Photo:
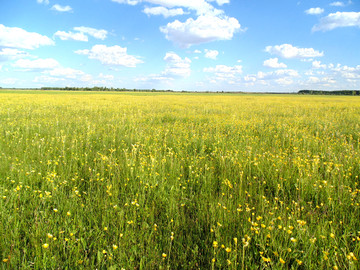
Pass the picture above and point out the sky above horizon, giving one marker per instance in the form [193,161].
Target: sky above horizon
[193,45]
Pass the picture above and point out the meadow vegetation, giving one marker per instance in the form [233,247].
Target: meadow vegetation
[178,181]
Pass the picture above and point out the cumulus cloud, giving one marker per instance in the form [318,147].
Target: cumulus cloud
[38,64]
[10,53]
[176,66]
[277,74]
[223,72]
[129,2]
[69,73]
[71,36]
[346,71]
[338,19]
[221,2]
[45,2]
[9,81]
[317,64]
[274,63]
[81,34]
[59,8]
[106,77]
[15,37]
[164,11]
[203,29]
[289,51]
[336,76]
[314,11]
[96,33]
[284,81]
[114,55]
[337,4]
[211,23]
[323,81]
[211,54]
[201,7]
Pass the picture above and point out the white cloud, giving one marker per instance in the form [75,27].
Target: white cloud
[59,8]
[250,78]
[197,51]
[38,64]
[68,73]
[129,2]
[334,76]
[274,63]
[277,74]
[9,53]
[203,29]
[9,81]
[164,11]
[338,19]
[337,4]
[289,51]
[47,79]
[221,2]
[346,71]
[96,33]
[224,72]
[15,37]
[106,77]
[284,81]
[211,54]
[45,2]
[176,66]
[201,7]
[317,64]
[210,25]
[114,55]
[154,81]
[321,82]
[314,11]
[68,76]
[71,36]
[81,34]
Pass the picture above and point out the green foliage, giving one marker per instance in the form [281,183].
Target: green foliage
[178,181]
[336,92]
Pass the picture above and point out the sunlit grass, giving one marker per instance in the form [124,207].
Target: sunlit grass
[178,181]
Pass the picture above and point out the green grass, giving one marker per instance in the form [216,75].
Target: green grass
[178,181]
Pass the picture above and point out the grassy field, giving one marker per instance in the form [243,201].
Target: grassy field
[178,181]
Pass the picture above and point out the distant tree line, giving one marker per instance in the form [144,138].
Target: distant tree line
[336,92]
[97,88]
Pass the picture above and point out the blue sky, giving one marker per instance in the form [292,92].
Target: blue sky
[199,45]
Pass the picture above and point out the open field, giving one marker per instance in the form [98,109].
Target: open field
[178,181]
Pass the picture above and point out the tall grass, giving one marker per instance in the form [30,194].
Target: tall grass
[169,181]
